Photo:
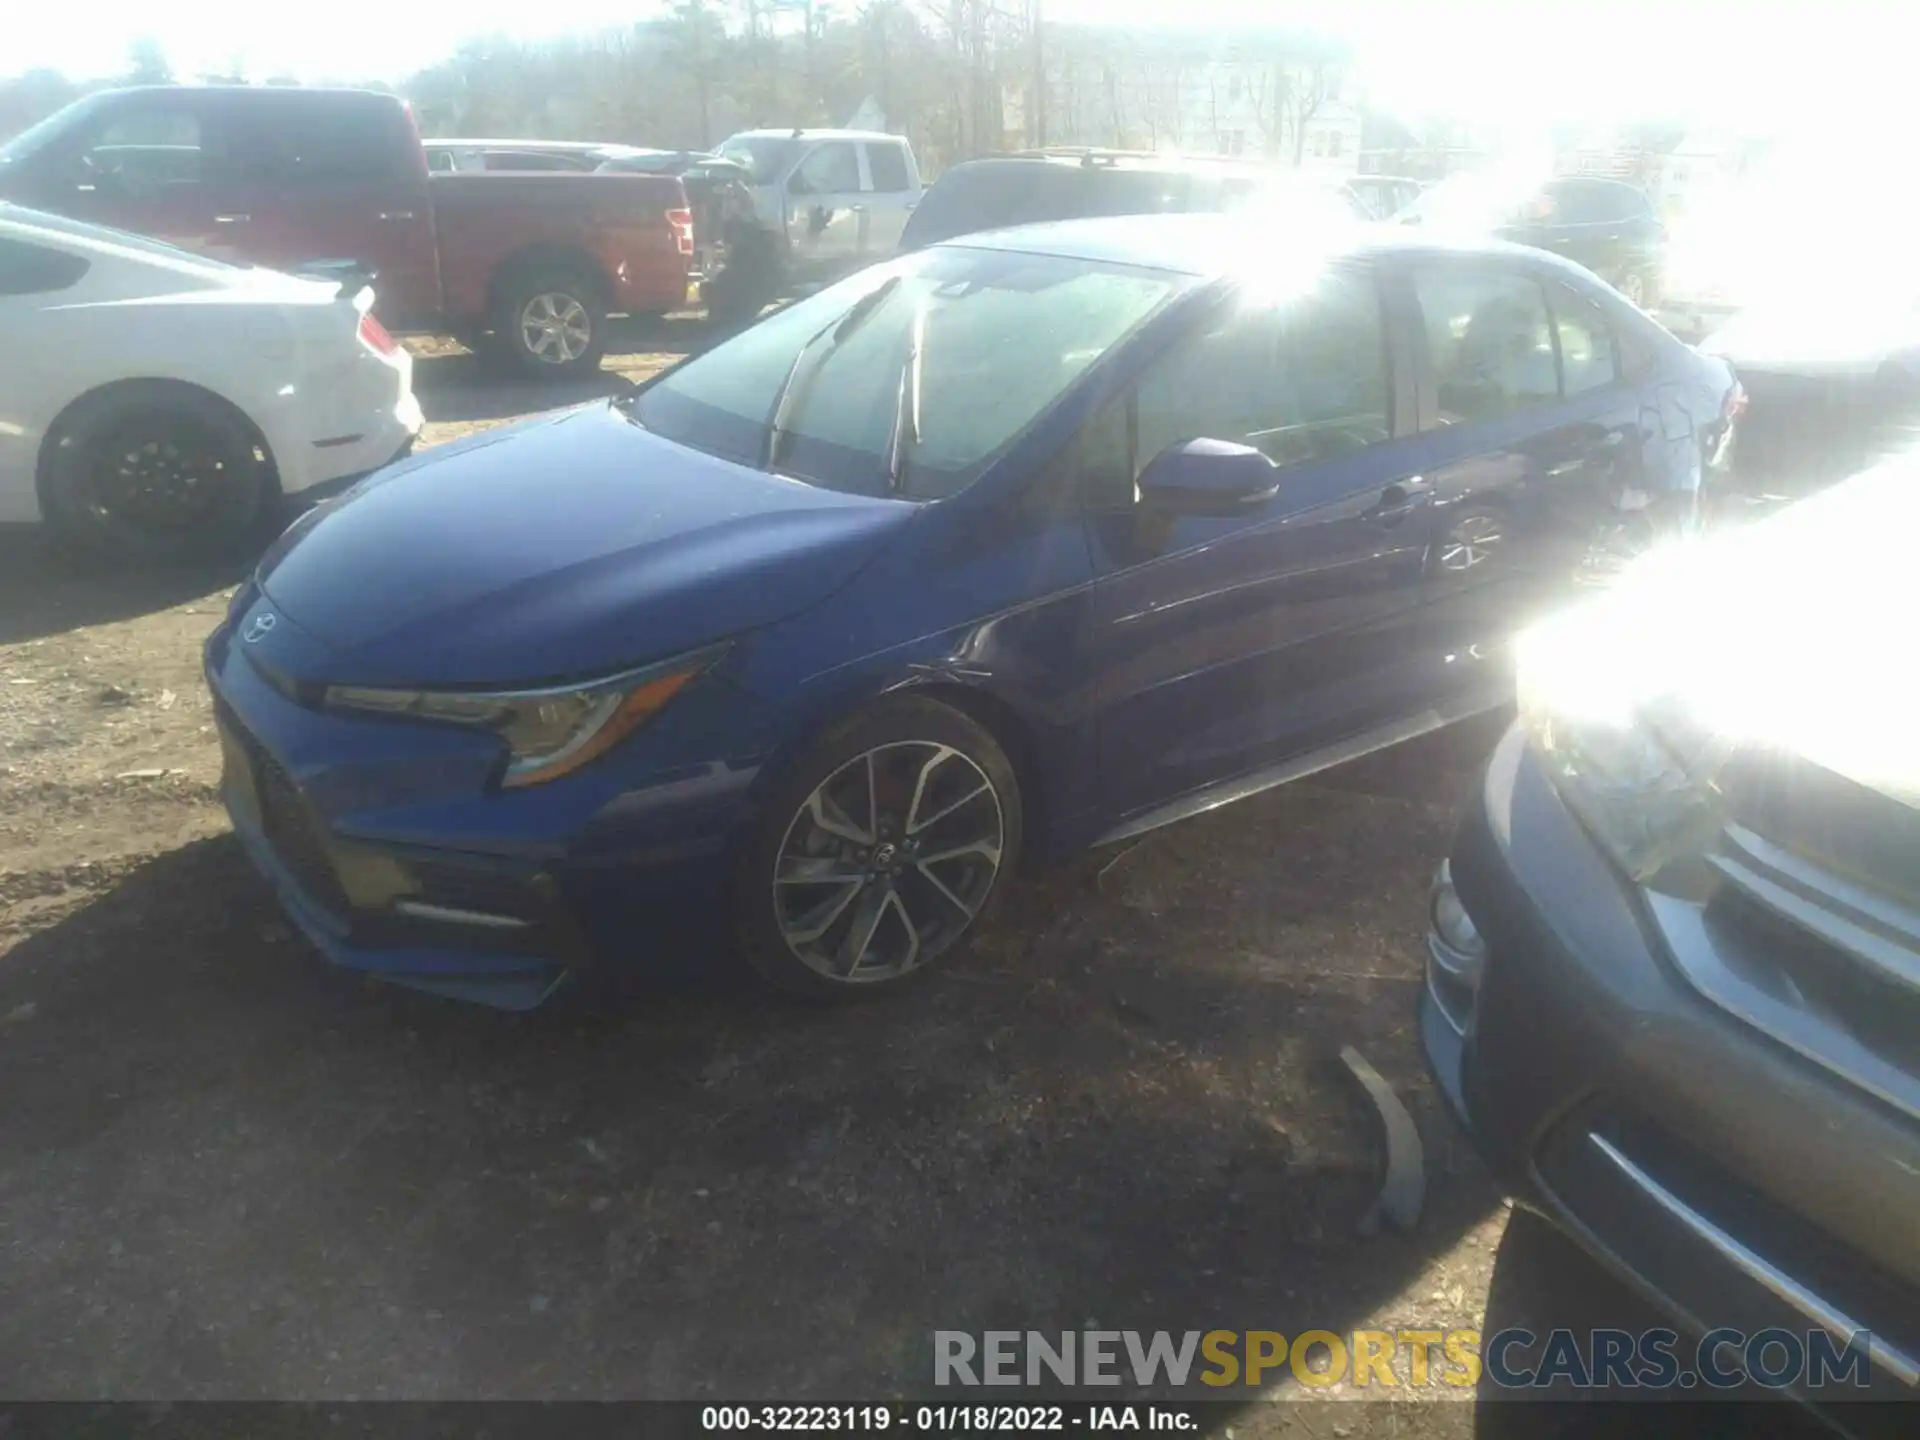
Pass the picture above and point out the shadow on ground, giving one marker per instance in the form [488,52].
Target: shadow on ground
[458,387]
[226,1170]
[45,590]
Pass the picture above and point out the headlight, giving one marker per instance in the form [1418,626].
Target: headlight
[1621,750]
[549,733]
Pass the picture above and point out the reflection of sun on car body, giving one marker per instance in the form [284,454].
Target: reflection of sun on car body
[1012,545]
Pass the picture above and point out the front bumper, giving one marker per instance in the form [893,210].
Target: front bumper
[1730,1179]
[351,824]
[364,415]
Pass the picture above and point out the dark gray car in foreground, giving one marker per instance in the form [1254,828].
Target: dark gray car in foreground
[1674,966]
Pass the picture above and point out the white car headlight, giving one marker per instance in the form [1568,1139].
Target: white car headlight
[549,732]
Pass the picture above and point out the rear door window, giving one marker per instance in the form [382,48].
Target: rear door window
[300,144]
[888,168]
[1588,356]
[991,195]
[1593,202]
[1489,342]
[1138,192]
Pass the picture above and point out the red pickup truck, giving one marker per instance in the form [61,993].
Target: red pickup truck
[290,177]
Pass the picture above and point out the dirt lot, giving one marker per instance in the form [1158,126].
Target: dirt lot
[228,1171]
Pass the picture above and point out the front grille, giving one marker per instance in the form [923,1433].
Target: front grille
[1825,964]
[287,822]
[1833,824]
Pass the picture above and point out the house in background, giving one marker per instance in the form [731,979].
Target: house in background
[1259,98]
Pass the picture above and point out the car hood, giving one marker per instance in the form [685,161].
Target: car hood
[561,547]
[1784,638]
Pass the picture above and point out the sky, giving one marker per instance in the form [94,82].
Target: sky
[1738,64]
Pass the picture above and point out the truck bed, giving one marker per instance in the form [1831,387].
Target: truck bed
[485,218]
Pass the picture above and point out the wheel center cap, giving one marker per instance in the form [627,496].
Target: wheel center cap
[885,855]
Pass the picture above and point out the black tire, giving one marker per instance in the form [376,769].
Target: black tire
[153,472]
[944,902]
[549,306]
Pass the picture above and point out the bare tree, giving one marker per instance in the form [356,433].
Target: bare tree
[147,62]
[1309,87]
[1267,97]
[699,35]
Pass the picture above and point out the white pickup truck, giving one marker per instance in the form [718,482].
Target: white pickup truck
[827,201]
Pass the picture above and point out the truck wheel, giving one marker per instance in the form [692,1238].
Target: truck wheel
[153,472]
[551,322]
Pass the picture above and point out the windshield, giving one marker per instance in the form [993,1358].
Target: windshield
[956,351]
[764,156]
[34,136]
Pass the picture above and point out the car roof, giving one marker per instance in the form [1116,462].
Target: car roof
[1101,162]
[583,147]
[284,92]
[1212,246]
[808,132]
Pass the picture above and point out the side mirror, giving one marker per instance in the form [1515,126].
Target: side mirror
[1207,477]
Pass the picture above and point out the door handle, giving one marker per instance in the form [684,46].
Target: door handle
[231,219]
[1397,502]
[396,214]
[858,209]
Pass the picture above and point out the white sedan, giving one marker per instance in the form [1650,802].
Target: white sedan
[154,403]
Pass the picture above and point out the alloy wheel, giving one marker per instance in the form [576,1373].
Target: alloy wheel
[158,480]
[1470,542]
[888,861]
[555,328]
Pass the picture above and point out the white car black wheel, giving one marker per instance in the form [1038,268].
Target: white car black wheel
[153,471]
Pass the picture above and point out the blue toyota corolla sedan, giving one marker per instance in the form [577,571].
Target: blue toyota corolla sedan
[1022,543]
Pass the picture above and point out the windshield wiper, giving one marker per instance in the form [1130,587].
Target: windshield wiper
[906,414]
[788,397]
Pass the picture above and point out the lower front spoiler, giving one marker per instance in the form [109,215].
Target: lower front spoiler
[502,981]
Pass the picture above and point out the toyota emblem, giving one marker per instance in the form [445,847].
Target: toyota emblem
[258,628]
